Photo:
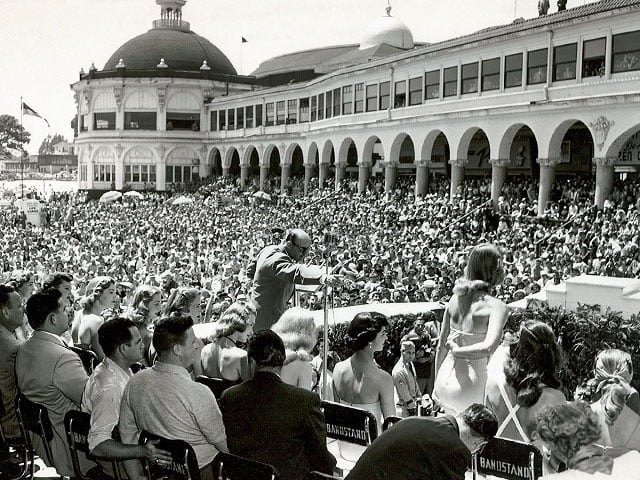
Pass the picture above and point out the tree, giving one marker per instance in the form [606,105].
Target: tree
[13,136]
[46,147]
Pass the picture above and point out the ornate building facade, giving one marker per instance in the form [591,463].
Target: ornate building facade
[542,97]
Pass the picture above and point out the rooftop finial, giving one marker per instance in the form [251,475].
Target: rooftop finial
[388,8]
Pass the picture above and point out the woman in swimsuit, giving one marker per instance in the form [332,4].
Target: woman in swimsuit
[528,382]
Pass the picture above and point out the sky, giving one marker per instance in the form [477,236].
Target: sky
[45,43]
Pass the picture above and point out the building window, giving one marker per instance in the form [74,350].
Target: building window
[432,85]
[104,121]
[314,108]
[135,173]
[491,74]
[359,106]
[140,121]
[104,173]
[84,123]
[384,95]
[214,121]
[270,115]
[593,53]
[513,70]
[328,104]
[564,62]
[304,110]
[292,111]
[336,102]
[222,119]
[347,100]
[231,119]
[415,91]
[537,67]
[183,121]
[400,94]
[451,82]
[83,173]
[372,98]
[240,117]
[180,173]
[470,78]
[280,113]
[321,106]
[626,52]
[248,117]
[258,115]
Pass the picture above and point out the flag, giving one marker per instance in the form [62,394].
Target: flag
[244,40]
[27,110]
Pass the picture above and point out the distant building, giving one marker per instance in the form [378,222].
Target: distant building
[555,95]
[56,163]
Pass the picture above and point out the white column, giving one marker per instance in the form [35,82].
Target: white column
[604,179]
[547,174]
[498,177]
[457,174]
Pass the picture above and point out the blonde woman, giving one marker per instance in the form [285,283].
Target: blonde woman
[298,332]
[100,295]
[146,306]
[471,331]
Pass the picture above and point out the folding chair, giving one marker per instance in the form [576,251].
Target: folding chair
[354,428]
[33,418]
[76,426]
[184,465]
[320,476]
[216,385]
[390,422]
[88,357]
[504,458]
[227,466]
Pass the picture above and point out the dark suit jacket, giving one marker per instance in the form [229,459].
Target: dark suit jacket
[417,448]
[274,274]
[275,423]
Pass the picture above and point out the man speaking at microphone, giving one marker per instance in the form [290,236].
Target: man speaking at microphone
[276,270]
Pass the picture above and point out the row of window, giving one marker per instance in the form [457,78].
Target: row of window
[141,173]
[142,121]
[481,76]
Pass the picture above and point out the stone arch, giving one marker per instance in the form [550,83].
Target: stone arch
[473,134]
[328,153]
[104,154]
[228,155]
[621,145]
[141,99]
[183,165]
[183,101]
[234,163]
[252,160]
[215,161]
[435,149]
[138,151]
[402,141]
[272,160]
[519,145]
[372,151]
[572,143]
[313,157]
[296,161]
[343,151]
[104,101]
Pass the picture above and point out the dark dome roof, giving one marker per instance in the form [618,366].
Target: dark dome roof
[181,51]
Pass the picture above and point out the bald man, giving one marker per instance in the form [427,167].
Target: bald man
[275,271]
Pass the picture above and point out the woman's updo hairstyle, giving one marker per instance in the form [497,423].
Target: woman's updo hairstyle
[234,319]
[139,311]
[180,300]
[93,292]
[297,329]
[19,278]
[534,362]
[363,329]
[612,364]
[483,270]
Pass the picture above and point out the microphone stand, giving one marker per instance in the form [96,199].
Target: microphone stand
[329,241]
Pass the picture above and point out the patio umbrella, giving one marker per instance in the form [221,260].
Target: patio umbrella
[182,201]
[262,195]
[133,194]
[111,196]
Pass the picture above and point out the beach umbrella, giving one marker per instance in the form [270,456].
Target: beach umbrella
[133,194]
[182,201]
[111,196]
[262,195]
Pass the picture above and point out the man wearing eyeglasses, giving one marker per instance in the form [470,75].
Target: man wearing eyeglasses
[276,271]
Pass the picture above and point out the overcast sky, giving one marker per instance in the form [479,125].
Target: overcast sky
[44,43]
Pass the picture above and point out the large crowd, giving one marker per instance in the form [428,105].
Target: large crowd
[163,266]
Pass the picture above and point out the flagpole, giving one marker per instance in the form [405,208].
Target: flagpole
[21,156]
[241,53]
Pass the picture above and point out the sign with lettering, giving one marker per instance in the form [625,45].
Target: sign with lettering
[509,459]
[350,424]
[31,209]
[630,153]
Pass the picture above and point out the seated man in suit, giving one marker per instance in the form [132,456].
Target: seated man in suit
[272,422]
[51,375]
[11,317]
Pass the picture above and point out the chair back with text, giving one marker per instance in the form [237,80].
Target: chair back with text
[227,466]
[34,419]
[88,357]
[504,458]
[349,424]
[216,385]
[77,425]
[184,465]
[320,476]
